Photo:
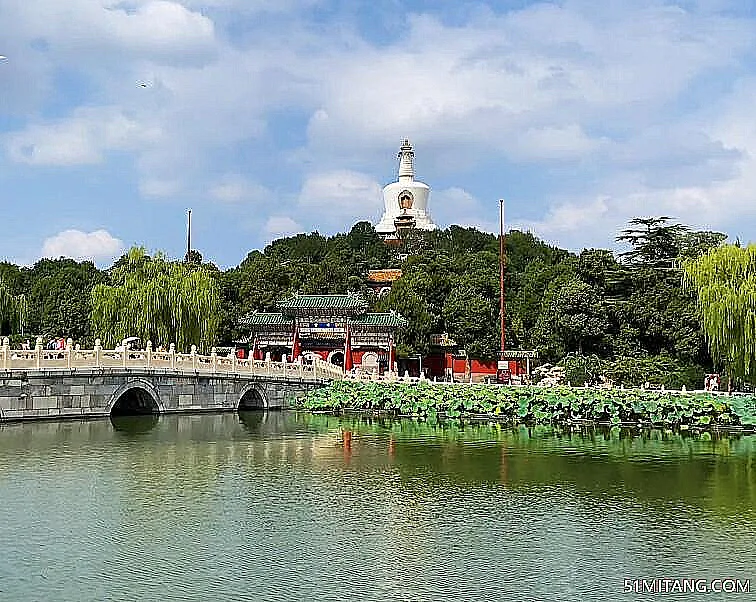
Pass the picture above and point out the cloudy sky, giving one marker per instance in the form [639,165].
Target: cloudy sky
[270,117]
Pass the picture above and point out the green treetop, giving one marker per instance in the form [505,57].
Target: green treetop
[158,300]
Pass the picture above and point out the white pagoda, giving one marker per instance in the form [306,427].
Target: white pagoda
[406,200]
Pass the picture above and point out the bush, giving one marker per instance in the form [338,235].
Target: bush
[582,370]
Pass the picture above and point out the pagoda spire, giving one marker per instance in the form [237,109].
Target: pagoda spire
[406,162]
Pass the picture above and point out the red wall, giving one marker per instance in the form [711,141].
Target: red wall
[476,366]
[481,367]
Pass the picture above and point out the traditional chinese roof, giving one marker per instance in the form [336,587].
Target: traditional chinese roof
[265,319]
[388,275]
[302,305]
[261,321]
[391,319]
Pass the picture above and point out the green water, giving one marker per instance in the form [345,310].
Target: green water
[286,506]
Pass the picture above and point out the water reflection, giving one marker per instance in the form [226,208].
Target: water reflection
[253,420]
[134,425]
[394,509]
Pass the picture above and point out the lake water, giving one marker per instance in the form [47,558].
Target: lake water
[289,506]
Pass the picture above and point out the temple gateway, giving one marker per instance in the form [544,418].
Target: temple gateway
[406,200]
[334,328]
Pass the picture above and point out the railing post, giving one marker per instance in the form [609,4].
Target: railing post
[6,352]
[214,359]
[38,350]
[315,369]
[149,354]
[124,355]
[172,351]
[251,358]
[97,349]
[268,362]
[69,351]
[194,357]
[233,362]
[301,370]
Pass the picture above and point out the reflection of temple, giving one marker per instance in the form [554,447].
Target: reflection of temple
[335,328]
[405,201]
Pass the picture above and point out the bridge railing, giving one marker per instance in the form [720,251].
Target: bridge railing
[74,357]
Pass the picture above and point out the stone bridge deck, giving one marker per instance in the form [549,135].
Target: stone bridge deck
[75,383]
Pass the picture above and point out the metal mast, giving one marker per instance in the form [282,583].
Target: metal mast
[189,236]
[501,272]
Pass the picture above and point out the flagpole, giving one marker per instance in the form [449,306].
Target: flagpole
[348,348]
[189,236]
[501,274]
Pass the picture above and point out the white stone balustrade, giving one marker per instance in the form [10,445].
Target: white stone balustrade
[73,357]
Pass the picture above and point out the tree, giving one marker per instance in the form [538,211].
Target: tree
[724,280]
[415,337]
[646,292]
[655,242]
[159,300]
[472,320]
[574,318]
[13,310]
[59,296]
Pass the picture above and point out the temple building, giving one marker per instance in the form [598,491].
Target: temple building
[380,281]
[406,200]
[334,328]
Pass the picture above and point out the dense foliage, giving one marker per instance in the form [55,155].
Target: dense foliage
[628,311]
[536,404]
[13,308]
[57,298]
[156,300]
[725,281]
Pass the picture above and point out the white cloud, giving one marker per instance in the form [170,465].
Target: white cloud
[560,143]
[79,245]
[234,188]
[254,6]
[160,29]
[606,88]
[568,221]
[458,206]
[160,187]
[82,139]
[340,197]
[281,225]
[529,84]
[706,194]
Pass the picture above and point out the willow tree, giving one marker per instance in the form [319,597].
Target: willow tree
[13,308]
[158,300]
[725,280]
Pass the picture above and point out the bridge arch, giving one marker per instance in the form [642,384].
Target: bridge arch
[137,396]
[252,397]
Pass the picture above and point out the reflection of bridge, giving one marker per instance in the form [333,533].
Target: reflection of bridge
[74,382]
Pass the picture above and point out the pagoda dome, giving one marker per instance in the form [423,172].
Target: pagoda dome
[406,200]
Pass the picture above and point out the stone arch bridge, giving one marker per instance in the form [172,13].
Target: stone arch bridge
[75,383]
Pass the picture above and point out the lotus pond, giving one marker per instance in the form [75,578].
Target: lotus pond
[538,405]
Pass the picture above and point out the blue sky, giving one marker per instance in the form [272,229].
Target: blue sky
[271,117]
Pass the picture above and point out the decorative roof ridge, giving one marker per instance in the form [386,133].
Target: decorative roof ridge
[347,294]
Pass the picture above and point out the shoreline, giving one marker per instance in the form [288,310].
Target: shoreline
[491,418]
